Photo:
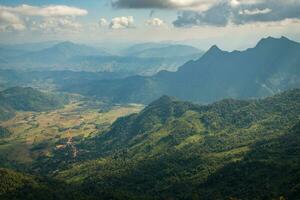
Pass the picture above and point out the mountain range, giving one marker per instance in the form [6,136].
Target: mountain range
[161,50]
[270,67]
[231,149]
[140,59]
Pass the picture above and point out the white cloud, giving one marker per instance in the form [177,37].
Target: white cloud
[45,11]
[122,22]
[199,5]
[240,12]
[103,22]
[10,22]
[55,25]
[235,3]
[155,22]
[44,18]
[255,11]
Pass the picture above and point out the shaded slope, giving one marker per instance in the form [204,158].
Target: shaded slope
[277,161]
[179,150]
[16,185]
[27,99]
[270,67]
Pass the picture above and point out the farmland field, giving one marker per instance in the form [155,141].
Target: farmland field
[35,134]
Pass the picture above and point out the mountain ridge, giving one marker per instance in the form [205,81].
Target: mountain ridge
[179,150]
[257,72]
[27,99]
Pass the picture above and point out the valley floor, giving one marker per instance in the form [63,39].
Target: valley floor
[36,134]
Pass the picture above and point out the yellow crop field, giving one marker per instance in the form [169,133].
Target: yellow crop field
[36,133]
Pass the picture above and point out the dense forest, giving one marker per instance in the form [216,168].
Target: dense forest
[27,99]
[231,149]
[150,100]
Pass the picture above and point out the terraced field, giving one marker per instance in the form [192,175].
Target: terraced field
[36,134]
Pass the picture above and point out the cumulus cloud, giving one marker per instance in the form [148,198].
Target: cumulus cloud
[9,21]
[122,22]
[241,12]
[45,11]
[235,3]
[103,22]
[155,22]
[54,17]
[255,11]
[217,16]
[266,11]
[200,5]
[55,25]
[220,12]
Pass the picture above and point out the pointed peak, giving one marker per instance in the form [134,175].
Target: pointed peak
[284,38]
[215,48]
[272,40]
[163,100]
[263,40]
[65,44]
[212,51]
[166,98]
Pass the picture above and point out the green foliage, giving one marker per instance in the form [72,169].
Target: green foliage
[27,99]
[177,150]
[15,185]
[4,132]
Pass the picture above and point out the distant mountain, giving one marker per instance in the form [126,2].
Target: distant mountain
[27,99]
[7,53]
[60,52]
[134,49]
[270,67]
[127,64]
[49,80]
[163,51]
[29,47]
[230,149]
[46,52]
[77,57]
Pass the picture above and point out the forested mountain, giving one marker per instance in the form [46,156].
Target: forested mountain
[178,150]
[270,67]
[27,99]
[231,149]
[16,185]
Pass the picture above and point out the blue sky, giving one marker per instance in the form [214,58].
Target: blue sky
[231,24]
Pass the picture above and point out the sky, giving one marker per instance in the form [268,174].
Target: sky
[231,24]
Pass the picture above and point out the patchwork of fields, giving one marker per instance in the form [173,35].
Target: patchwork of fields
[35,134]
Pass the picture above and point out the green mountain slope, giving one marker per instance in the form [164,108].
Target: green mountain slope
[4,132]
[27,99]
[270,67]
[178,150]
[16,185]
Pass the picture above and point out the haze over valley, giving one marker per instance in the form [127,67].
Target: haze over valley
[148,99]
